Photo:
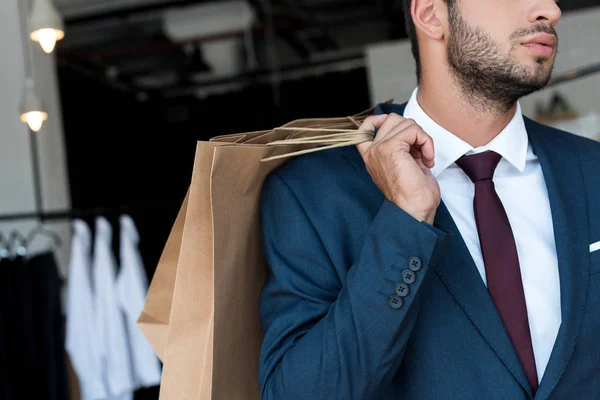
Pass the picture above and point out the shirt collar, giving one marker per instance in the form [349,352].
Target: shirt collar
[512,143]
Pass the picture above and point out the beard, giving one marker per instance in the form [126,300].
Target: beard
[491,81]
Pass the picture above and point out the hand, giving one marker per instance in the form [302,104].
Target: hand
[398,160]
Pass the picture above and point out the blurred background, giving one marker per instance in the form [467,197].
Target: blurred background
[102,102]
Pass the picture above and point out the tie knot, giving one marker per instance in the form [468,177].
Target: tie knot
[479,167]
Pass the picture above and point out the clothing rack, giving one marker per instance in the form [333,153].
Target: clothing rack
[79,213]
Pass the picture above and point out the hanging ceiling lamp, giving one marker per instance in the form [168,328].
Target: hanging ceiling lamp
[45,24]
[32,111]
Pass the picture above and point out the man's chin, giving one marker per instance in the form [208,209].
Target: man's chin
[538,74]
[533,84]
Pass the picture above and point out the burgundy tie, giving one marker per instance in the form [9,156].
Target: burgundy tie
[500,257]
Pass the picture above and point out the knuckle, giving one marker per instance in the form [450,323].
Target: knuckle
[370,121]
[417,129]
[396,117]
[414,124]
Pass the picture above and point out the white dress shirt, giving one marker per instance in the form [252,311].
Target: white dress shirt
[81,325]
[132,287]
[110,335]
[520,184]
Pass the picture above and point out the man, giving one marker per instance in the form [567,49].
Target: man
[454,256]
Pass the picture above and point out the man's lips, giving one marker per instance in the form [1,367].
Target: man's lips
[542,44]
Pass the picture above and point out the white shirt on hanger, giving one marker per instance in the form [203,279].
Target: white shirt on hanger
[132,287]
[80,341]
[111,333]
[518,176]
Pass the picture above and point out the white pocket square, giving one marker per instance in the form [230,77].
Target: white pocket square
[594,247]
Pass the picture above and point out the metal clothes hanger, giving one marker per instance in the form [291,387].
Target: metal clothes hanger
[40,229]
[21,247]
[4,247]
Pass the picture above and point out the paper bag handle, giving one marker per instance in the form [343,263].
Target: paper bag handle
[336,138]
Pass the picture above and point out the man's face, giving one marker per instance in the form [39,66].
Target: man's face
[502,50]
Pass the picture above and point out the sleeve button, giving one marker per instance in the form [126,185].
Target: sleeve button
[402,289]
[408,276]
[395,302]
[415,263]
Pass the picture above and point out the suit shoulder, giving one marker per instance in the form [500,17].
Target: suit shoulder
[320,169]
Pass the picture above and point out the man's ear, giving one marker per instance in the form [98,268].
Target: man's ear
[428,15]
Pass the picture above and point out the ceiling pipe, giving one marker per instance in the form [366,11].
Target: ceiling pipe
[158,46]
[126,12]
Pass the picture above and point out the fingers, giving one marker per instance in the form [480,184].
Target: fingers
[389,125]
[427,149]
[393,129]
[383,126]
[371,123]
[411,134]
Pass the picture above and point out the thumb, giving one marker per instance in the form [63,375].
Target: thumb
[371,123]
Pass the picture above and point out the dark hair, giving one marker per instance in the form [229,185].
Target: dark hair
[411,31]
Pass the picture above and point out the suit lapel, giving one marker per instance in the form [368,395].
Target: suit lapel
[563,175]
[462,279]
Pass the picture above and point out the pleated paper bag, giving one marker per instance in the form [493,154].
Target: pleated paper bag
[202,310]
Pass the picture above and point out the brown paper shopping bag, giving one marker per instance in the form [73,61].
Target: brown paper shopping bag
[154,320]
[205,292]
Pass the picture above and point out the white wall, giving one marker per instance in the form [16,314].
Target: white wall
[392,68]
[16,177]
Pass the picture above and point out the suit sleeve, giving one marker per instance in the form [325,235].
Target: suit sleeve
[328,338]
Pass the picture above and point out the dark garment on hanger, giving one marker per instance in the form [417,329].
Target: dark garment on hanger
[17,326]
[49,328]
[4,367]
[33,329]
[4,388]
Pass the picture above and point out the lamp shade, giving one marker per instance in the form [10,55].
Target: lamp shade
[45,24]
[32,110]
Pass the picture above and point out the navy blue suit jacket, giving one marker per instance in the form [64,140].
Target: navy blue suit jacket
[336,249]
